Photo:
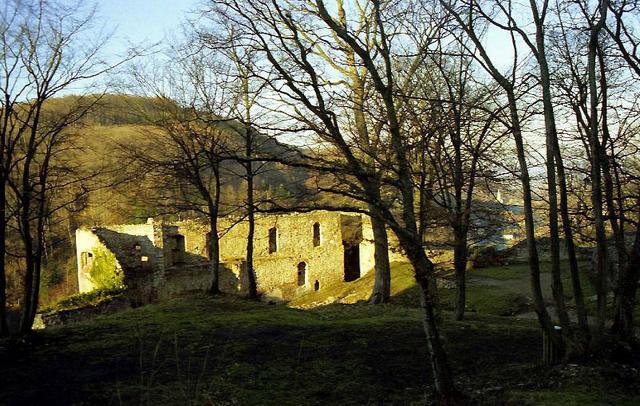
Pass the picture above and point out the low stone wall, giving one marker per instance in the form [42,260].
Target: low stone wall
[63,317]
[518,254]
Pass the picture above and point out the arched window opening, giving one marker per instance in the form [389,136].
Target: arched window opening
[302,273]
[273,240]
[316,286]
[316,235]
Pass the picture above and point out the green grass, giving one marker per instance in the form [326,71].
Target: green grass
[575,395]
[488,300]
[518,271]
[503,272]
[227,351]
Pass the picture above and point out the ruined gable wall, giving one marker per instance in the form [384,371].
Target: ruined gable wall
[136,256]
[142,230]
[86,242]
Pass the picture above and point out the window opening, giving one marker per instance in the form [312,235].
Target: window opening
[273,240]
[302,273]
[86,258]
[316,234]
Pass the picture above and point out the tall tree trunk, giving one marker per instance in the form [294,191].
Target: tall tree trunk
[551,143]
[4,328]
[628,285]
[615,219]
[617,227]
[382,283]
[596,182]
[214,260]
[460,255]
[28,280]
[578,295]
[251,276]
[214,240]
[42,218]
[534,260]
[442,376]
[25,201]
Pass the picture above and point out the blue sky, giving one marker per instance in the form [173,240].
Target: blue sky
[138,21]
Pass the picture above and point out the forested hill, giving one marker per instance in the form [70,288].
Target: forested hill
[115,120]
[117,191]
[111,109]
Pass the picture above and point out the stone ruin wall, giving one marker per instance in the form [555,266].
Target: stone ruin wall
[277,272]
[136,255]
[168,273]
[86,242]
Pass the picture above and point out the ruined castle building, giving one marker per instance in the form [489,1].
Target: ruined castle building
[293,253]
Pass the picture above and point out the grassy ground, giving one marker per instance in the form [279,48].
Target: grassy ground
[481,298]
[203,350]
[228,351]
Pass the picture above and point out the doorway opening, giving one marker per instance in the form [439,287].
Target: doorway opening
[351,263]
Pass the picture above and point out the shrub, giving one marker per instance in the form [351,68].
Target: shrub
[488,256]
[104,273]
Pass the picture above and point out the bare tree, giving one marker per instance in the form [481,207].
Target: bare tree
[470,17]
[457,122]
[188,140]
[625,14]
[44,52]
[312,105]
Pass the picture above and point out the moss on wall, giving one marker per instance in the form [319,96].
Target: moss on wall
[104,272]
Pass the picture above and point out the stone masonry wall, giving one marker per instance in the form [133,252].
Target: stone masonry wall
[174,258]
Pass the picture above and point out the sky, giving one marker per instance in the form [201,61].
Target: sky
[142,21]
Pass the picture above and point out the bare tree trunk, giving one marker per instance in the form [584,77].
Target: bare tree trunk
[25,201]
[554,235]
[551,142]
[214,260]
[615,219]
[442,376]
[253,289]
[460,254]
[578,296]
[625,307]
[214,240]
[534,260]
[596,183]
[382,284]
[4,328]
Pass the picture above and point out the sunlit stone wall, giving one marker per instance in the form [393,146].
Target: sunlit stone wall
[293,253]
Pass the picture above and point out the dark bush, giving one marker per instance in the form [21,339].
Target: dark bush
[488,256]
